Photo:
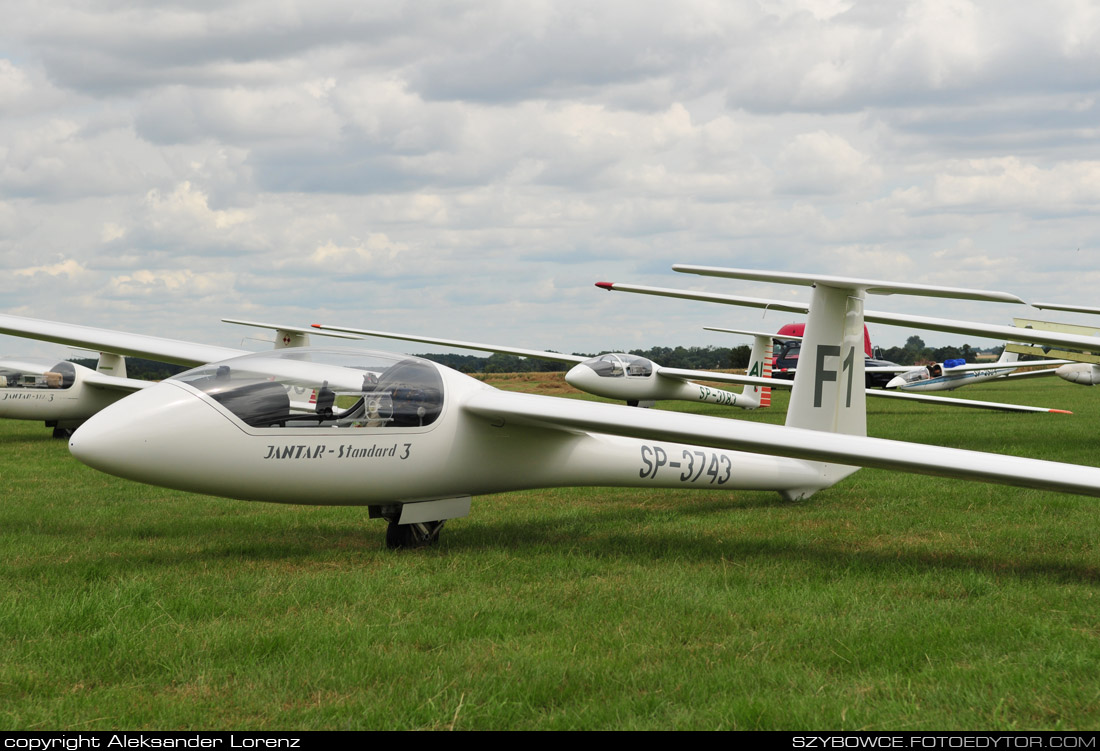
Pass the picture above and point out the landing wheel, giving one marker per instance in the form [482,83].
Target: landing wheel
[62,433]
[419,535]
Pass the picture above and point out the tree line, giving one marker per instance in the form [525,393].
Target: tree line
[915,352]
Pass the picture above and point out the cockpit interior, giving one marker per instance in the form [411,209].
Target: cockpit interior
[308,388]
[620,365]
[60,376]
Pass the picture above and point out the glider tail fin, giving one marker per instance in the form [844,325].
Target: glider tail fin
[1007,356]
[111,364]
[760,366]
[828,392]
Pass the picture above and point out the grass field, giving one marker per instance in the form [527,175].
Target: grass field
[890,601]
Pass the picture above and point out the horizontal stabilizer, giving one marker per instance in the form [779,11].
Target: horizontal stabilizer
[784,337]
[991,330]
[280,327]
[683,294]
[872,287]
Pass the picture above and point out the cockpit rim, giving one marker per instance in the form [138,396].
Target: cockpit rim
[340,432]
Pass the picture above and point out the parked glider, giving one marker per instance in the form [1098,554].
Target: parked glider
[637,380]
[1084,364]
[62,394]
[65,394]
[630,378]
[1086,373]
[780,383]
[953,374]
[413,440]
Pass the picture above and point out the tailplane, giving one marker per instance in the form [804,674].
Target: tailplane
[760,366]
[829,385]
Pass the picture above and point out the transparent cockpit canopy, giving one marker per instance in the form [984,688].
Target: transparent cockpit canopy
[37,374]
[916,376]
[304,387]
[619,365]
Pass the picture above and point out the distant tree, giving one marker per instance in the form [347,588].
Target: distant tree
[137,367]
[739,356]
[946,353]
[461,363]
[498,363]
[896,354]
[916,349]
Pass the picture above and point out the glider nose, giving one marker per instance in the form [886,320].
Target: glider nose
[130,437]
[895,383]
[1081,373]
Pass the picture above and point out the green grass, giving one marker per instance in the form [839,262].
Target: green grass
[891,601]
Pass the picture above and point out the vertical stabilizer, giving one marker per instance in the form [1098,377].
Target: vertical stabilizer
[1007,356]
[760,366]
[829,384]
[828,392]
[288,338]
[111,364]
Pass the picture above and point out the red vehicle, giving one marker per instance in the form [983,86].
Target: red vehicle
[787,351]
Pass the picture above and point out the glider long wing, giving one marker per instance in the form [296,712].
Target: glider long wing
[117,342]
[677,373]
[502,407]
[517,351]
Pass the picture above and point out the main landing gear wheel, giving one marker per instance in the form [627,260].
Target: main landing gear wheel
[62,433]
[418,535]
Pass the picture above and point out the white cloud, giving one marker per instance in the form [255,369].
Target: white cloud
[188,205]
[821,162]
[164,285]
[376,161]
[67,267]
[1009,183]
[112,231]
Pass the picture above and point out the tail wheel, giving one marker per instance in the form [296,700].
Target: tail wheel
[418,535]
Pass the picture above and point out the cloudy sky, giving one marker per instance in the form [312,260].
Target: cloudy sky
[470,169]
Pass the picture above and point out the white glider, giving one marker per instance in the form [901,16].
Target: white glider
[413,441]
[952,374]
[65,394]
[907,396]
[1082,373]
